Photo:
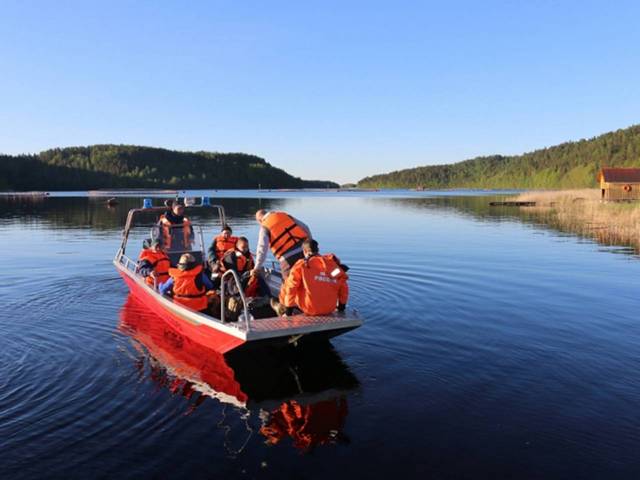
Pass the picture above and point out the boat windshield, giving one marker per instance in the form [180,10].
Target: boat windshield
[176,239]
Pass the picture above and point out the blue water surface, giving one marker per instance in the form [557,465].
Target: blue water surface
[493,347]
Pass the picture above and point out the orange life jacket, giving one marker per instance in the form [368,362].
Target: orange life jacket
[223,245]
[285,233]
[315,285]
[169,230]
[307,425]
[159,262]
[185,289]
[244,263]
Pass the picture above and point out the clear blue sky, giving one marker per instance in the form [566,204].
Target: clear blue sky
[335,90]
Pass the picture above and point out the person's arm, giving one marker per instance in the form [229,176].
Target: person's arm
[229,262]
[211,254]
[164,287]
[262,248]
[208,284]
[145,267]
[291,286]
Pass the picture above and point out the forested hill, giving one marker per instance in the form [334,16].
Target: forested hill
[125,166]
[568,165]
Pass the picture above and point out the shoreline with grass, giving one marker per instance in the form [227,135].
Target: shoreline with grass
[583,213]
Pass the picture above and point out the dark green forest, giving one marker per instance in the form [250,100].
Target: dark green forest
[568,165]
[127,166]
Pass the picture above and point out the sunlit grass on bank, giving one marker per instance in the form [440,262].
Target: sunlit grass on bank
[582,212]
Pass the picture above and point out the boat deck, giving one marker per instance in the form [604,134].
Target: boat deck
[298,325]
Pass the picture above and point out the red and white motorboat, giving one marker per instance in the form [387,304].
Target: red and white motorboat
[207,330]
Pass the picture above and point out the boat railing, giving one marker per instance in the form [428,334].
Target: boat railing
[126,262]
[236,279]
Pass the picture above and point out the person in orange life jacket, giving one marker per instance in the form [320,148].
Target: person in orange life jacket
[317,284]
[188,284]
[221,244]
[240,260]
[154,264]
[283,234]
[177,232]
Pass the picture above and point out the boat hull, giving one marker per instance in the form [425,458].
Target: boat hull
[202,334]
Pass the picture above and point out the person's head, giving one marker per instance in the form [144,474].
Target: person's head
[309,247]
[155,244]
[242,244]
[226,231]
[178,209]
[186,262]
[260,215]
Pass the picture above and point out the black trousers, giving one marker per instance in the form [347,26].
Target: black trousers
[287,263]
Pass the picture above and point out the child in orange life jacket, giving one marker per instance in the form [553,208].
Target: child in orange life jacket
[317,284]
[188,284]
[240,260]
[221,244]
[154,264]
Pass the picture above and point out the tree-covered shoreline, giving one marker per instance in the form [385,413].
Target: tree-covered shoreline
[129,166]
[568,165]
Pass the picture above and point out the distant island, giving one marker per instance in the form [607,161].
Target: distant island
[129,166]
[568,165]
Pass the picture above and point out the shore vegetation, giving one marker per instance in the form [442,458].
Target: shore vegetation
[568,165]
[582,212]
[130,166]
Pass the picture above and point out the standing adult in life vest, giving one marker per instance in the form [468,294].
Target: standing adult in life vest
[221,244]
[154,264]
[317,284]
[188,284]
[283,234]
[177,232]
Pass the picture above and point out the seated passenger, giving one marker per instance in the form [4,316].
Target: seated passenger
[238,257]
[240,260]
[188,284]
[154,264]
[177,232]
[317,284]
[221,245]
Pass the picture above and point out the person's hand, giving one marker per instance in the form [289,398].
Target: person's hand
[254,272]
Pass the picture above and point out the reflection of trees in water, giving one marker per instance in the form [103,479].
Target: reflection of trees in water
[86,212]
[296,395]
[476,207]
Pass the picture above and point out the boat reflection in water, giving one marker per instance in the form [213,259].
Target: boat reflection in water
[298,393]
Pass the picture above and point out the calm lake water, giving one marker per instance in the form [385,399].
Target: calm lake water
[493,347]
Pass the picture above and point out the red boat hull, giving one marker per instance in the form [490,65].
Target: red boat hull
[201,334]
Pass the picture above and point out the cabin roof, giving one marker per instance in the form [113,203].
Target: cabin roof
[622,175]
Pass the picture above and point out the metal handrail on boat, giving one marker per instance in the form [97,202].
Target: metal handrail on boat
[244,300]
